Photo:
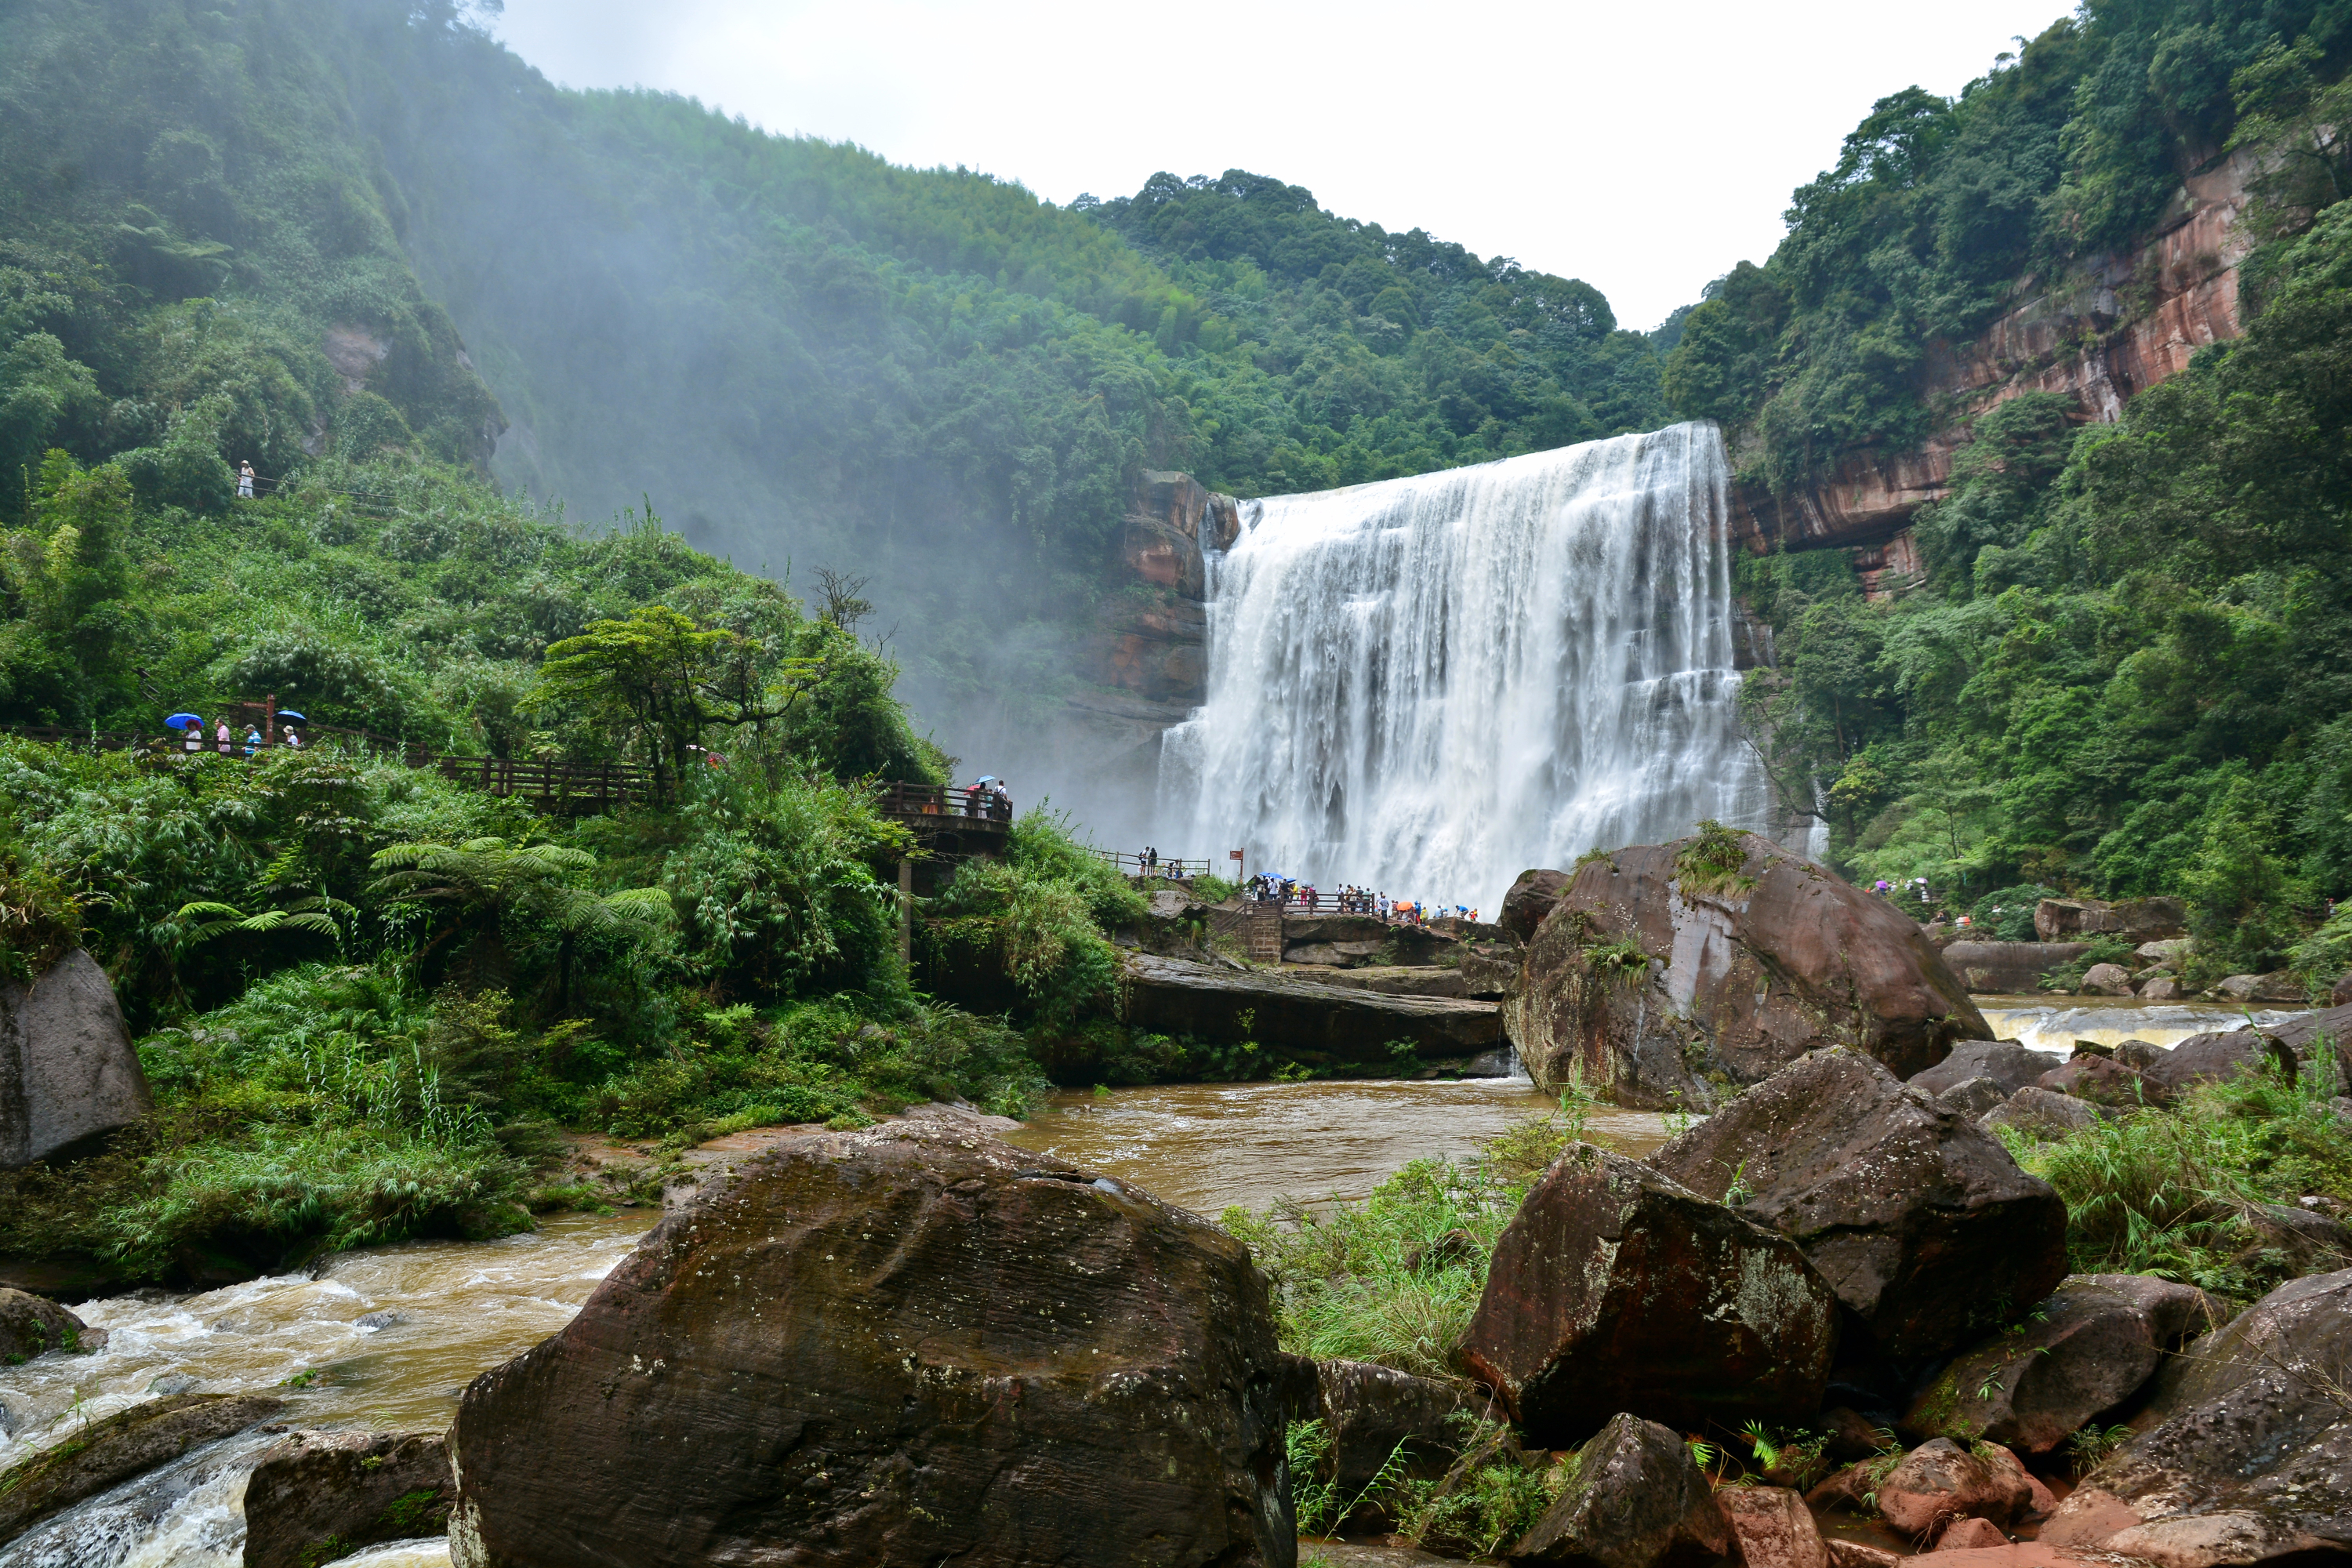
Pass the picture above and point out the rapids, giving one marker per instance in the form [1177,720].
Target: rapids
[392,1335]
[1428,685]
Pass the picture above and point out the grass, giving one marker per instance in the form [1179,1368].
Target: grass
[2181,1193]
[336,1105]
[1395,1279]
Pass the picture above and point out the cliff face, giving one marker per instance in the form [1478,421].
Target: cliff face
[1141,658]
[2106,331]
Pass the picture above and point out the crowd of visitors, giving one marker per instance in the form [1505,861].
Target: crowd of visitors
[1267,888]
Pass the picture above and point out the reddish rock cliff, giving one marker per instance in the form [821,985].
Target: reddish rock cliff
[2116,324]
[1142,657]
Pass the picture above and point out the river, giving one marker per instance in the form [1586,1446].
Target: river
[391,1336]
[386,1338]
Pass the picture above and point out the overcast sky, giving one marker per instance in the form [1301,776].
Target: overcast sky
[1642,147]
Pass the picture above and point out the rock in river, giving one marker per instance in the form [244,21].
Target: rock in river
[31,1325]
[317,1496]
[125,1444]
[1313,1023]
[1917,1218]
[908,1344]
[1615,1288]
[1664,983]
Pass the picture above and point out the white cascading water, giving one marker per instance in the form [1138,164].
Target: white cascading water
[1427,685]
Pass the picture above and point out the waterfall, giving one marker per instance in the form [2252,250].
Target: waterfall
[1428,685]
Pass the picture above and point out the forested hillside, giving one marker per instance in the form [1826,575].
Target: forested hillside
[2124,668]
[803,355]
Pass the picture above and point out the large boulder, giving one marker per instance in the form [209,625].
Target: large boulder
[2202,1059]
[1313,1023]
[1972,1098]
[1917,1218]
[2044,1113]
[1615,1288]
[2278,986]
[314,1497]
[908,1344]
[2006,1062]
[1662,986]
[2090,1347]
[68,1074]
[2106,980]
[2249,1457]
[1531,898]
[1940,1482]
[1636,1499]
[2012,967]
[1772,1528]
[125,1444]
[2319,1042]
[2132,920]
[2103,1080]
[31,1324]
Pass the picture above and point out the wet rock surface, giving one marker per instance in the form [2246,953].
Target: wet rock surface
[1772,1528]
[2012,967]
[2092,1345]
[1615,1288]
[2006,1062]
[1637,1500]
[1370,1411]
[1662,989]
[1531,898]
[125,1444]
[2250,1457]
[908,1344]
[1940,1482]
[32,1325]
[315,1496]
[68,1073]
[1917,1218]
[1313,1023]
[2103,1080]
[2040,1110]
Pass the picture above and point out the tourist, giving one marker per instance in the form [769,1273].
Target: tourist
[245,481]
[252,741]
[293,740]
[220,735]
[192,734]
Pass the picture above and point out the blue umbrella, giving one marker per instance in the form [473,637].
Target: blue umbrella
[182,721]
[289,713]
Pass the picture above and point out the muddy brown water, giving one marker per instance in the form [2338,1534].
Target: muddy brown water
[387,1338]
[1203,1146]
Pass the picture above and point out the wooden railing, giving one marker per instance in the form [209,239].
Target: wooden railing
[939,806]
[1134,865]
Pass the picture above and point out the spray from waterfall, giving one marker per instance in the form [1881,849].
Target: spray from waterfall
[1429,685]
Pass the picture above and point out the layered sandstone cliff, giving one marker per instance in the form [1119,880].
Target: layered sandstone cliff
[2111,327]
